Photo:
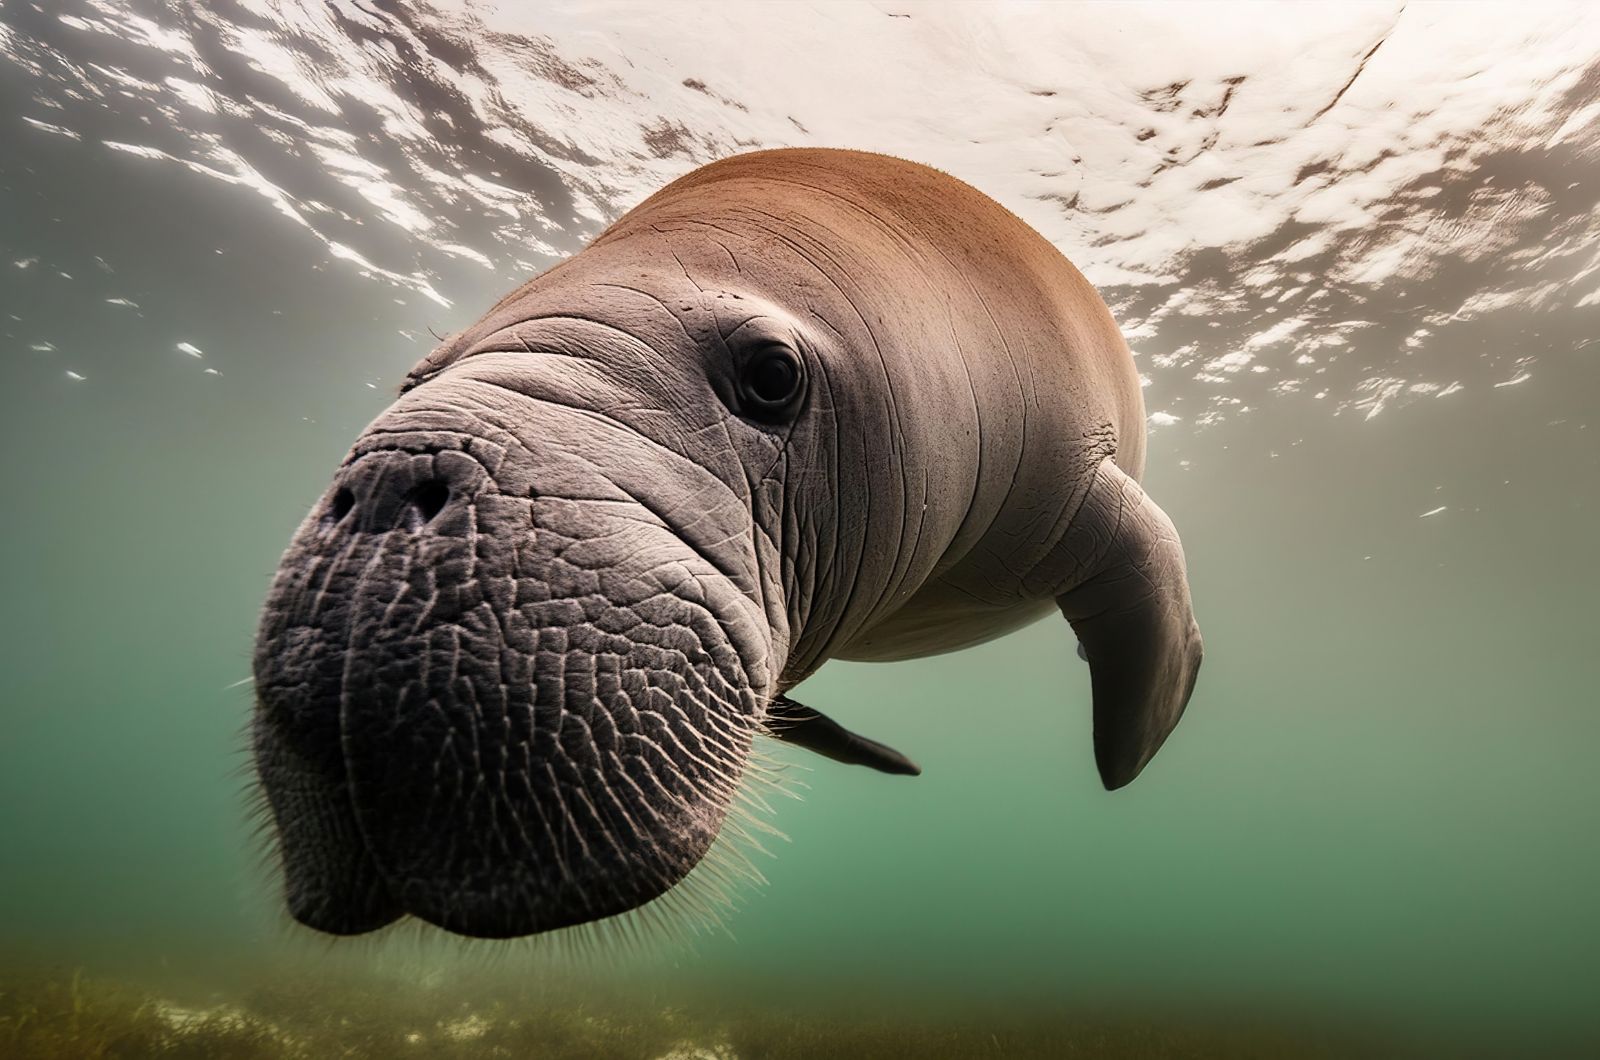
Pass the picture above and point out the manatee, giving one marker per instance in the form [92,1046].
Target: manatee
[798,405]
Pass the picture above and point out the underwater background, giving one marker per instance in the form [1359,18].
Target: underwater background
[1356,250]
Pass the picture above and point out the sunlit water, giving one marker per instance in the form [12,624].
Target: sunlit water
[1356,250]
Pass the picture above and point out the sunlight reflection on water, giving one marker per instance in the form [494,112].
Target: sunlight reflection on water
[1321,210]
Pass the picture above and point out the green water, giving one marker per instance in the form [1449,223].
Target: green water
[1381,813]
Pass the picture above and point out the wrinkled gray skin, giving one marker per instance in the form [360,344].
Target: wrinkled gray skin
[512,664]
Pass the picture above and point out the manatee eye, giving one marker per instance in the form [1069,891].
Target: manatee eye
[771,383]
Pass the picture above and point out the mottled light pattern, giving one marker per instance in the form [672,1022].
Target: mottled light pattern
[1252,187]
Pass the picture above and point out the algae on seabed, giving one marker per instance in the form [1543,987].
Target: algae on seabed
[60,1014]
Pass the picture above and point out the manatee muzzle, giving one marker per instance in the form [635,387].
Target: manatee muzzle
[500,710]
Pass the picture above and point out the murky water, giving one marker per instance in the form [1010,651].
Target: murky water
[1357,252]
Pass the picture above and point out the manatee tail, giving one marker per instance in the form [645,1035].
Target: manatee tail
[1134,622]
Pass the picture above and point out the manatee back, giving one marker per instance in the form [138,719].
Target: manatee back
[1071,360]
[975,380]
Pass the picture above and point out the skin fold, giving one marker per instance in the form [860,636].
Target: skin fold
[798,405]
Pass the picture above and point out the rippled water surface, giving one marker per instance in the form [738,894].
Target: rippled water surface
[1356,250]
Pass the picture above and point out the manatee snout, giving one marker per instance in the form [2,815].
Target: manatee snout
[498,688]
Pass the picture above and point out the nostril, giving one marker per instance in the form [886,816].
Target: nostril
[343,501]
[430,498]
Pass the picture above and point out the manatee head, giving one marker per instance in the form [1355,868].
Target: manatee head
[511,665]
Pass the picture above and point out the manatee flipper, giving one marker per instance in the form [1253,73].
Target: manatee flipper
[798,724]
[1130,609]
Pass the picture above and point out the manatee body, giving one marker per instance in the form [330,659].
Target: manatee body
[797,405]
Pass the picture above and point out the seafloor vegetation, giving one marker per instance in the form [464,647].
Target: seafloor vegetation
[68,1014]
